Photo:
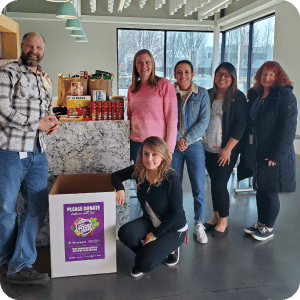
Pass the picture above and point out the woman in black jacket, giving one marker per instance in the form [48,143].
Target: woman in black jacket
[227,124]
[162,228]
[270,151]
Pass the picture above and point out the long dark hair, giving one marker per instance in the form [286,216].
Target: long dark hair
[184,62]
[153,79]
[232,90]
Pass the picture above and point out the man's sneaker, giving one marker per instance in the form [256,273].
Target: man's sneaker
[135,272]
[252,229]
[199,231]
[27,276]
[263,234]
[173,259]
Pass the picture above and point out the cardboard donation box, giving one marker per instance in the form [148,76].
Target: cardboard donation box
[82,210]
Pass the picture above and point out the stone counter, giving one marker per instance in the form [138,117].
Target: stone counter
[88,147]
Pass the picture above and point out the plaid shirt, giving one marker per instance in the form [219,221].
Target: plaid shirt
[25,97]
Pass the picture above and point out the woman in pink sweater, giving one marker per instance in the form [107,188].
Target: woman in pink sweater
[152,105]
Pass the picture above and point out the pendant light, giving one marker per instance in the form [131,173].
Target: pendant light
[66,11]
[77,33]
[81,39]
[73,24]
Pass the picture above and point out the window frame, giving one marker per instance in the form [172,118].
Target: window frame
[250,46]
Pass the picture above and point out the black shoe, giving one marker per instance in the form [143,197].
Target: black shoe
[135,272]
[4,269]
[27,276]
[209,226]
[216,233]
[173,259]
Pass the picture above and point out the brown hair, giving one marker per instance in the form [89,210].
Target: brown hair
[153,79]
[232,90]
[159,146]
[282,78]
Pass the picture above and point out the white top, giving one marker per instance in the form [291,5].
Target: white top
[212,141]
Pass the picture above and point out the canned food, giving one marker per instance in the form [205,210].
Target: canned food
[77,89]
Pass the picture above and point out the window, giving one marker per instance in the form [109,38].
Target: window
[248,47]
[130,42]
[167,47]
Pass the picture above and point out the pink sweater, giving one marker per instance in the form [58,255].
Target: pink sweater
[153,112]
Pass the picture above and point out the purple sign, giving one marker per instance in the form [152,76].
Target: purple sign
[84,231]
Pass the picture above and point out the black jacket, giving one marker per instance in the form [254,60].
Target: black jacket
[234,119]
[273,135]
[166,200]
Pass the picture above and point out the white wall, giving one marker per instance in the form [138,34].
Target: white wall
[287,45]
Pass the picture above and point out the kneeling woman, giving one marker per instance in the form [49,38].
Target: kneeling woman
[162,229]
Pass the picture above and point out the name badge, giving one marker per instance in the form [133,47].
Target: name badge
[22,155]
[251,139]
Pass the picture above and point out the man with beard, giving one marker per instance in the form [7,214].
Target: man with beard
[25,119]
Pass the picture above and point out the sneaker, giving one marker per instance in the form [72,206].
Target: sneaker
[173,259]
[263,234]
[199,231]
[252,229]
[135,272]
[27,276]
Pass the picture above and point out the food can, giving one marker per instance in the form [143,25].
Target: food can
[121,110]
[93,111]
[83,74]
[100,108]
[77,89]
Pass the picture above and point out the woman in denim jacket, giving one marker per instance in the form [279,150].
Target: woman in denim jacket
[193,119]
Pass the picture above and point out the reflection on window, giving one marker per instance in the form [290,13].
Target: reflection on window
[263,44]
[129,43]
[236,52]
[196,47]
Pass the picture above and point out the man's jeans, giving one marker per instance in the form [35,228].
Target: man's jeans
[17,242]
[195,162]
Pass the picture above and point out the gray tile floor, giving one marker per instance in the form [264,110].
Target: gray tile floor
[232,267]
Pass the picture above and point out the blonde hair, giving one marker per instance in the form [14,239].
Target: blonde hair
[159,146]
[153,79]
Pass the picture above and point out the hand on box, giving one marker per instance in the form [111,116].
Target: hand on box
[120,197]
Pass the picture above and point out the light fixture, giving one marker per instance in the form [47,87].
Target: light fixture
[58,0]
[79,33]
[66,11]
[211,8]
[81,39]
[121,5]
[73,24]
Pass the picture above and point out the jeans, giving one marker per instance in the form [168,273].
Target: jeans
[134,149]
[17,242]
[154,253]
[195,162]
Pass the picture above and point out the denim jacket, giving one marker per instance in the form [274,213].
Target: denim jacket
[196,113]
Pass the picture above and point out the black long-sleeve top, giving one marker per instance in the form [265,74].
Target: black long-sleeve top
[166,200]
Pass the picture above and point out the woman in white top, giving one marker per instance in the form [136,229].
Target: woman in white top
[227,124]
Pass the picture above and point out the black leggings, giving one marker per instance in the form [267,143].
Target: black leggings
[219,177]
[268,207]
[153,254]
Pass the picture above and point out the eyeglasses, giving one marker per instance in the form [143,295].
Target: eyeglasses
[226,75]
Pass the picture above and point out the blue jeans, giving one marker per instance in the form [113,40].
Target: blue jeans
[17,242]
[195,162]
[134,149]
